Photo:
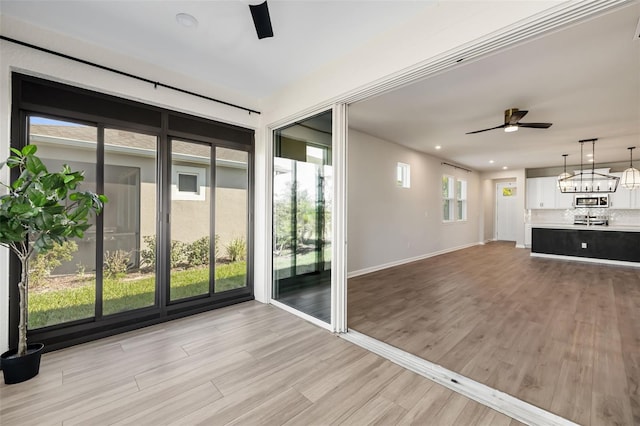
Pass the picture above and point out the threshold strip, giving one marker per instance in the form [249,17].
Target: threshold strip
[485,395]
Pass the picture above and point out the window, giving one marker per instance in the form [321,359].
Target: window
[188,183]
[454,199]
[403,175]
[461,199]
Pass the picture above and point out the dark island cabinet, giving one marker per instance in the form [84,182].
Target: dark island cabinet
[609,245]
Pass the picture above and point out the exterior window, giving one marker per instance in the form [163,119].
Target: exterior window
[403,175]
[454,199]
[188,183]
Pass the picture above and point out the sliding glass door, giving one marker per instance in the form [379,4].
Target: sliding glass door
[173,239]
[302,209]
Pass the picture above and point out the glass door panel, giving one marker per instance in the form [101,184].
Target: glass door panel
[232,179]
[62,282]
[302,206]
[191,247]
[129,255]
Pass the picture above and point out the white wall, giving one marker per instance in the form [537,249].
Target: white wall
[29,61]
[389,225]
[488,184]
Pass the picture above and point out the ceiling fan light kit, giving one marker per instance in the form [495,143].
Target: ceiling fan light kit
[631,177]
[512,122]
[588,181]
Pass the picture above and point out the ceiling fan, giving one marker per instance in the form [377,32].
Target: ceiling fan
[512,119]
[261,19]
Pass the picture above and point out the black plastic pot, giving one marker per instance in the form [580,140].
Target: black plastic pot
[18,369]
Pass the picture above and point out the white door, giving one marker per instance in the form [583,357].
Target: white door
[506,194]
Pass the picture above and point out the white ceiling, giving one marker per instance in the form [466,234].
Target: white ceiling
[223,48]
[584,79]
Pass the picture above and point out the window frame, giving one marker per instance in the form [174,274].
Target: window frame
[454,199]
[201,183]
[403,175]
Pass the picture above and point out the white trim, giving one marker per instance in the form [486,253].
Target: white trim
[485,395]
[301,314]
[339,220]
[376,268]
[587,259]
[520,246]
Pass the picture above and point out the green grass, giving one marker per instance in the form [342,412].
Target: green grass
[71,304]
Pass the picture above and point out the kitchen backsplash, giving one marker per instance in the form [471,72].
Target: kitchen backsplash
[616,217]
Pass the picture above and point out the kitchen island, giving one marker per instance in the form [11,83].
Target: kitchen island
[595,243]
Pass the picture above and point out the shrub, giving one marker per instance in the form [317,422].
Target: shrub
[116,263]
[43,263]
[197,252]
[148,253]
[237,249]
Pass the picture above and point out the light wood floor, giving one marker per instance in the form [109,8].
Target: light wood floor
[564,336]
[248,364]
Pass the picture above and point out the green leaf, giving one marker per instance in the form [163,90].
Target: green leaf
[19,209]
[17,152]
[29,150]
[35,165]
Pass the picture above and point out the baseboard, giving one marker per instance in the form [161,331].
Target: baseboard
[520,246]
[485,395]
[376,268]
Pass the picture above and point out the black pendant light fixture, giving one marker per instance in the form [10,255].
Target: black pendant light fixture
[564,175]
[588,181]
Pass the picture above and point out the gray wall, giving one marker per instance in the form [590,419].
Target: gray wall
[389,225]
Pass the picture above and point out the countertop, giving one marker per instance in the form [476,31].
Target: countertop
[620,228]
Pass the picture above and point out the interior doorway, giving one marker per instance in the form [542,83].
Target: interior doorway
[506,210]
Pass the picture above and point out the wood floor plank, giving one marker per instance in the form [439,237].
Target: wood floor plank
[562,335]
[250,364]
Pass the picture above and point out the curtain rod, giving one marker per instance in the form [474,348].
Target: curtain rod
[126,74]
[456,167]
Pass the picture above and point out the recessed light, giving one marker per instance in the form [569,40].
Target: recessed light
[186,20]
[504,167]
[491,161]
[591,160]
[589,155]
[438,147]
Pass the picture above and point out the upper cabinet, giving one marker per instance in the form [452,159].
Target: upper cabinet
[624,198]
[543,193]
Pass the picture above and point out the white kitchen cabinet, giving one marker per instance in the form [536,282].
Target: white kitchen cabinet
[564,200]
[541,193]
[622,198]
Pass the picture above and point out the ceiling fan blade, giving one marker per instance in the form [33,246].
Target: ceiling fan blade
[512,116]
[486,130]
[261,20]
[535,125]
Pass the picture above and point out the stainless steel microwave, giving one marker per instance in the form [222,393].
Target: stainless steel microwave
[601,200]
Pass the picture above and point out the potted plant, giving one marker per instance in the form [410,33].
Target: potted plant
[38,210]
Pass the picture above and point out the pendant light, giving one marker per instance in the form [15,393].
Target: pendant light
[589,181]
[631,177]
[562,179]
